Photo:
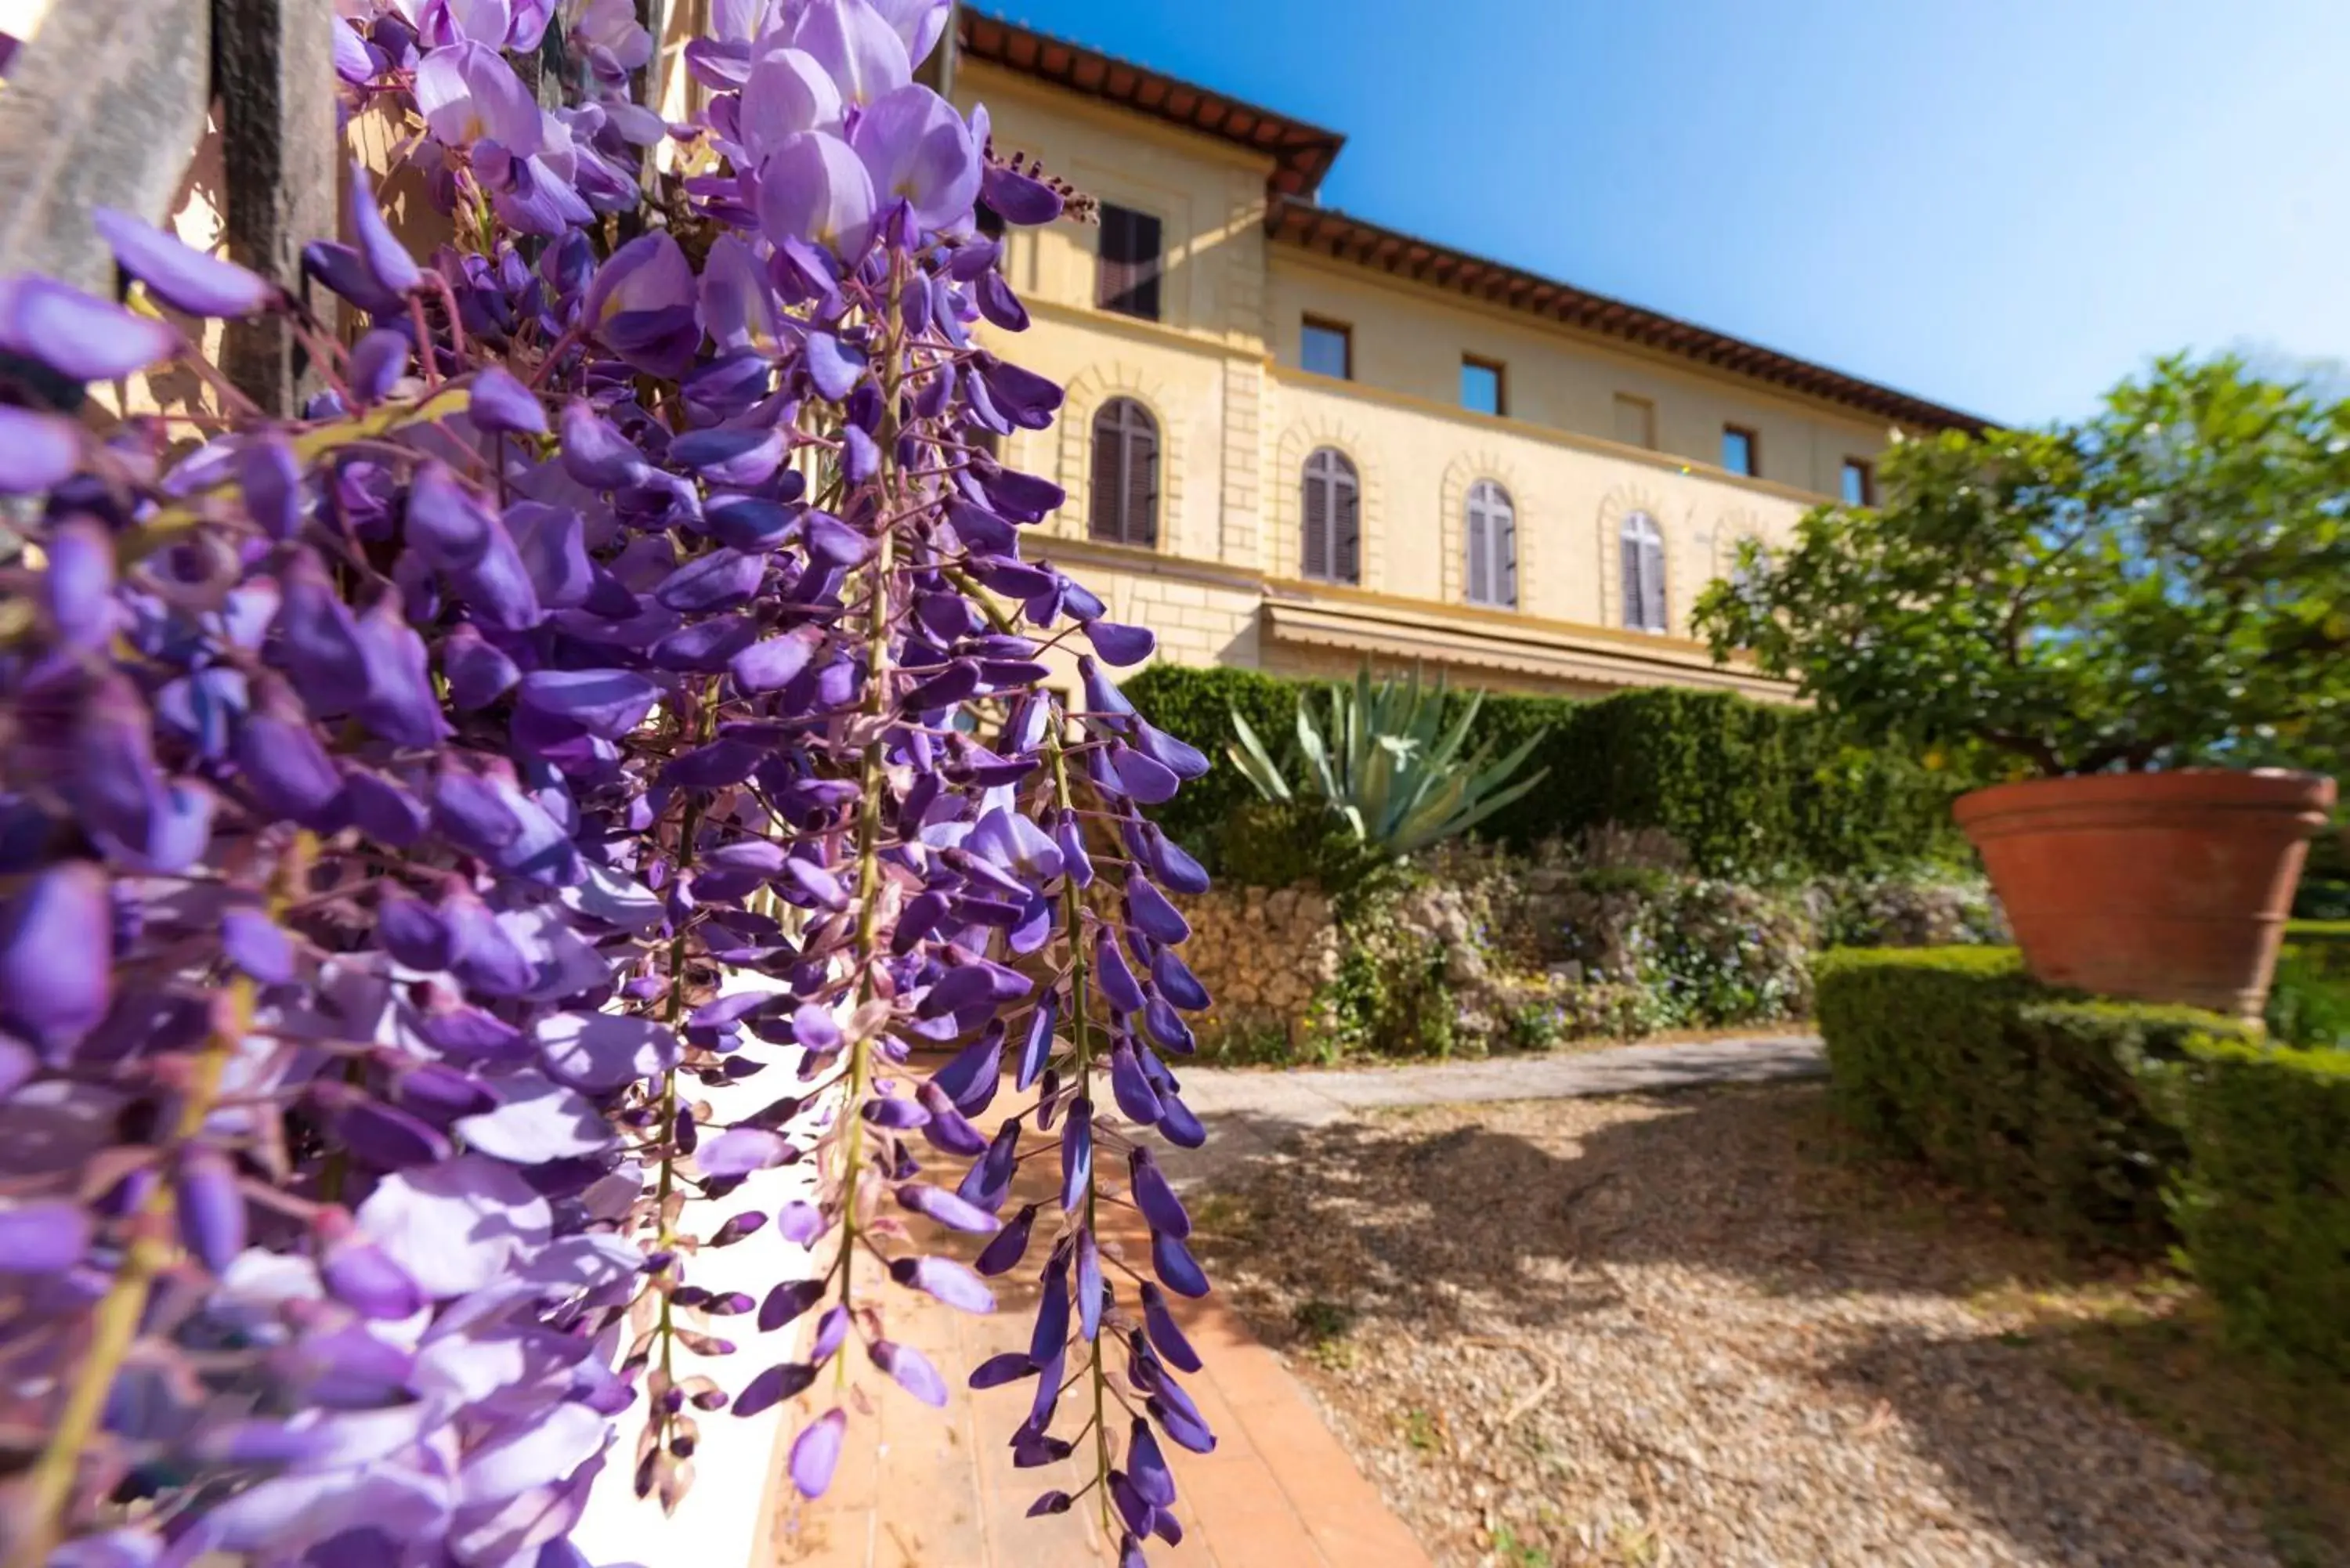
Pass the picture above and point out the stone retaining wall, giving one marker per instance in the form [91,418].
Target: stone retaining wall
[1261,952]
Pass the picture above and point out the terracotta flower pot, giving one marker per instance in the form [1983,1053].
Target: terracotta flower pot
[2167,886]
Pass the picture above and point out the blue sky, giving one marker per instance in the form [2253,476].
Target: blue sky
[2005,206]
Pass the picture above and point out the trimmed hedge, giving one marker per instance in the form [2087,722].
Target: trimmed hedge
[2034,1098]
[1196,705]
[2264,1204]
[2309,1004]
[2323,895]
[1748,787]
[2320,946]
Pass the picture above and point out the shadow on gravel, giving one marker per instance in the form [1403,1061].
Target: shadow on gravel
[1434,1224]
[1706,1180]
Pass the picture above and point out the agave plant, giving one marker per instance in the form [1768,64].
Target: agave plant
[1389,766]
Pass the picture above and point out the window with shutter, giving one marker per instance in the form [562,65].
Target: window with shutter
[1125,502]
[1347,524]
[1130,265]
[1492,546]
[1643,547]
[1333,546]
[1506,556]
[1314,554]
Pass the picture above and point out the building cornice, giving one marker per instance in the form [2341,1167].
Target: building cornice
[1140,562]
[1116,325]
[1361,244]
[1393,628]
[1300,153]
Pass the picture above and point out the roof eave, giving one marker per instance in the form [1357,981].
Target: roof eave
[1301,153]
[1358,243]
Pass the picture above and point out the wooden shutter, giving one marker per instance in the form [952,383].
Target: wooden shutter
[1128,280]
[1492,546]
[1628,590]
[1144,295]
[1346,520]
[1505,550]
[1141,478]
[1333,546]
[1123,507]
[1652,581]
[1113,277]
[1642,545]
[1315,556]
[1480,584]
[1105,517]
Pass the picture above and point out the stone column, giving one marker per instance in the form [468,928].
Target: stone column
[273,68]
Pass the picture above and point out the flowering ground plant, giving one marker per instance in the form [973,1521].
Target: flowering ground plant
[624,679]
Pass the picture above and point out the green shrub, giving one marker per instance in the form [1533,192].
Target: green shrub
[2323,895]
[1195,705]
[1922,906]
[2309,1003]
[2034,1098]
[1389,759]
[2324,946]
[1281,844]
[1748,787]
[2265,1205]
[1706,952]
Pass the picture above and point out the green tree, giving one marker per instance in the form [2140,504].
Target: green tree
[2166,582]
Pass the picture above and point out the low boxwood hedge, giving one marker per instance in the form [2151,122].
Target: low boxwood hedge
[2112,1125]
[2264,1197]
[2034,1097]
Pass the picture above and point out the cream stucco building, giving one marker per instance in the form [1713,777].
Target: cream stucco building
[1294,440]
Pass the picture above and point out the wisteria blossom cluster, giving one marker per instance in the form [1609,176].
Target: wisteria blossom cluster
[625,678]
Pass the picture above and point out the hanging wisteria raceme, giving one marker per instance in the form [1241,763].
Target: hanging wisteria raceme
[625,680]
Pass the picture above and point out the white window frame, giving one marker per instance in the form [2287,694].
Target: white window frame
[1640,542]
[1490,537]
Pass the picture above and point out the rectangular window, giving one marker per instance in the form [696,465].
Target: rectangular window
[1131,264]
[1481,386]
[1636,421]
[1328,349]
[1859,484]
[1740,452]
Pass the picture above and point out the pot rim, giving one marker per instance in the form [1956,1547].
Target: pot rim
[2281,789]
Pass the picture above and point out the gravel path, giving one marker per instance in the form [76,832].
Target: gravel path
[1252,1113]
[1687,1329]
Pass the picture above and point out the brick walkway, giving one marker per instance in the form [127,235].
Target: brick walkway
[1279,1491]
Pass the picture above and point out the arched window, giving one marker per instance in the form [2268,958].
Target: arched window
[1643,546]
[1492,546]
[1333,546]
[1126,475]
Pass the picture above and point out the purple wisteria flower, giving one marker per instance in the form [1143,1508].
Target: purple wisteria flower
[426,821]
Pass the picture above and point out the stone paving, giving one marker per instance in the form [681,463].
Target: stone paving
[926,1489]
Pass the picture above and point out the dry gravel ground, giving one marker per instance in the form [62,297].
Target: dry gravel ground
[1702,1329]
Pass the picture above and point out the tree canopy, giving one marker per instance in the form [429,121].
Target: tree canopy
[2164,583]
